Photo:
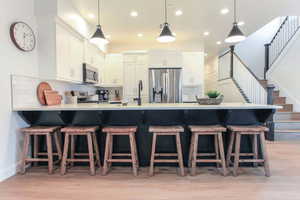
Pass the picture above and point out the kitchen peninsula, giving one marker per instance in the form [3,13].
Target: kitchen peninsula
[153,114]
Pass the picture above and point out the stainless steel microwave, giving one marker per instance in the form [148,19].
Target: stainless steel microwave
[90,74]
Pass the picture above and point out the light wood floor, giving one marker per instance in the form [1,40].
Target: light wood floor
[284,184]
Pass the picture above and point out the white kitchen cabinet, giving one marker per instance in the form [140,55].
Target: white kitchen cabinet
[61,52]
[112,73]
[165,58]
[135,69]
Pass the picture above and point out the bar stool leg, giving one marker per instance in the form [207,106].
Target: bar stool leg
[195,152]
[180,157]
[237,153]
[255,149]
[217,149]
[133,154]
[111,145]
[264,154]
[106,154]
[25,153]
[222,154]
[91,154]
[151,171]
[136,152]
[96,147]
[230,148]
[50,153]
[65,155]
[58,146]
[72,149]
[35,148]
[191,150]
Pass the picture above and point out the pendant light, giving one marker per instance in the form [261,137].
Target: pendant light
[235,35]
[166,33]
[99,38]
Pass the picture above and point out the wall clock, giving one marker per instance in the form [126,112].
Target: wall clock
[22,36]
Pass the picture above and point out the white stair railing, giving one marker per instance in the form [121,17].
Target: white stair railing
[248,82]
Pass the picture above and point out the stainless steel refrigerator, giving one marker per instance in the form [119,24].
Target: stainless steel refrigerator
[165,85]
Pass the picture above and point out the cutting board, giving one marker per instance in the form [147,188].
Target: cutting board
[40,92]
[52,97]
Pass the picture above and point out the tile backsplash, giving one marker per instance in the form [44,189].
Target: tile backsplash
[24,89]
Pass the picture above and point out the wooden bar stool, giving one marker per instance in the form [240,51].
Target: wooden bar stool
[167,131]
[236,133]
[36,131]
[93,149]
[108,157]
[214,130]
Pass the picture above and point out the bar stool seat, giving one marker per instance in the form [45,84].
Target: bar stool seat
[248,128]
[93,149]
[36,131]
[166,131]
[201,130]
[132,157]
[80,129]
[236,134]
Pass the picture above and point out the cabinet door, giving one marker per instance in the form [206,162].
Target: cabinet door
[193,68]
[62,53]
[113,69]
[130,83]
[76,58]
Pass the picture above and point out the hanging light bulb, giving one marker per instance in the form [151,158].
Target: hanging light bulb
[166,34]
[235,35]
[98,37]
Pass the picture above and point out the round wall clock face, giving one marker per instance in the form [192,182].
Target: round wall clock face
[22,36]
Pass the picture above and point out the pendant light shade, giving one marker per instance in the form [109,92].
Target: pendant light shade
[98,37]
[235,35]
[166,34]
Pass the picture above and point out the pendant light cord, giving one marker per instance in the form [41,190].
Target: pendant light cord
[166,12]
[98,12]
[235,21]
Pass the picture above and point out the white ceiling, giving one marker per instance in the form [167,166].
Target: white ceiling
[198,16]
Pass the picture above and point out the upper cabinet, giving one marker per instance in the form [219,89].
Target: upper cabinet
[112,72]
[165,58]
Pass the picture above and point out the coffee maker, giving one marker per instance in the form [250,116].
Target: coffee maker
[103,95]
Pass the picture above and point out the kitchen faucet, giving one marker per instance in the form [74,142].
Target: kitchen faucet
[139,99]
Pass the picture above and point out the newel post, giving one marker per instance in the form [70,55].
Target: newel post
[267,60]
[231,60]
[270,90]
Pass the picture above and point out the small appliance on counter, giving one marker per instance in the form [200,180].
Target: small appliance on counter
[103,95]
[90,74]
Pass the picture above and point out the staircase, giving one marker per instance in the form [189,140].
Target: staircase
[287,122]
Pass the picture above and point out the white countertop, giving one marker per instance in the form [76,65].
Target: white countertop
[146,106]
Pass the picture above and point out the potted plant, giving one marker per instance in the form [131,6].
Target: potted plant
[213,94]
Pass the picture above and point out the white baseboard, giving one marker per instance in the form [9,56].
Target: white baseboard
[9,171]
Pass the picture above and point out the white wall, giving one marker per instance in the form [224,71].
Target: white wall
[211,74]
[230,91]
[285,73]
[13,61]
[252,50]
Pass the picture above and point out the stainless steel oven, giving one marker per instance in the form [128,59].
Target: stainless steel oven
[90,74]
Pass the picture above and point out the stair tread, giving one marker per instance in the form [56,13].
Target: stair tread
[287,130]
[287,121]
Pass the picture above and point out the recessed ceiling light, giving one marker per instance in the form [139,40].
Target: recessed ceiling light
[178,12]
[241,23]
[206,33]
[91,16]
[140,35]
[218,42]
[134,14]
[224,11]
